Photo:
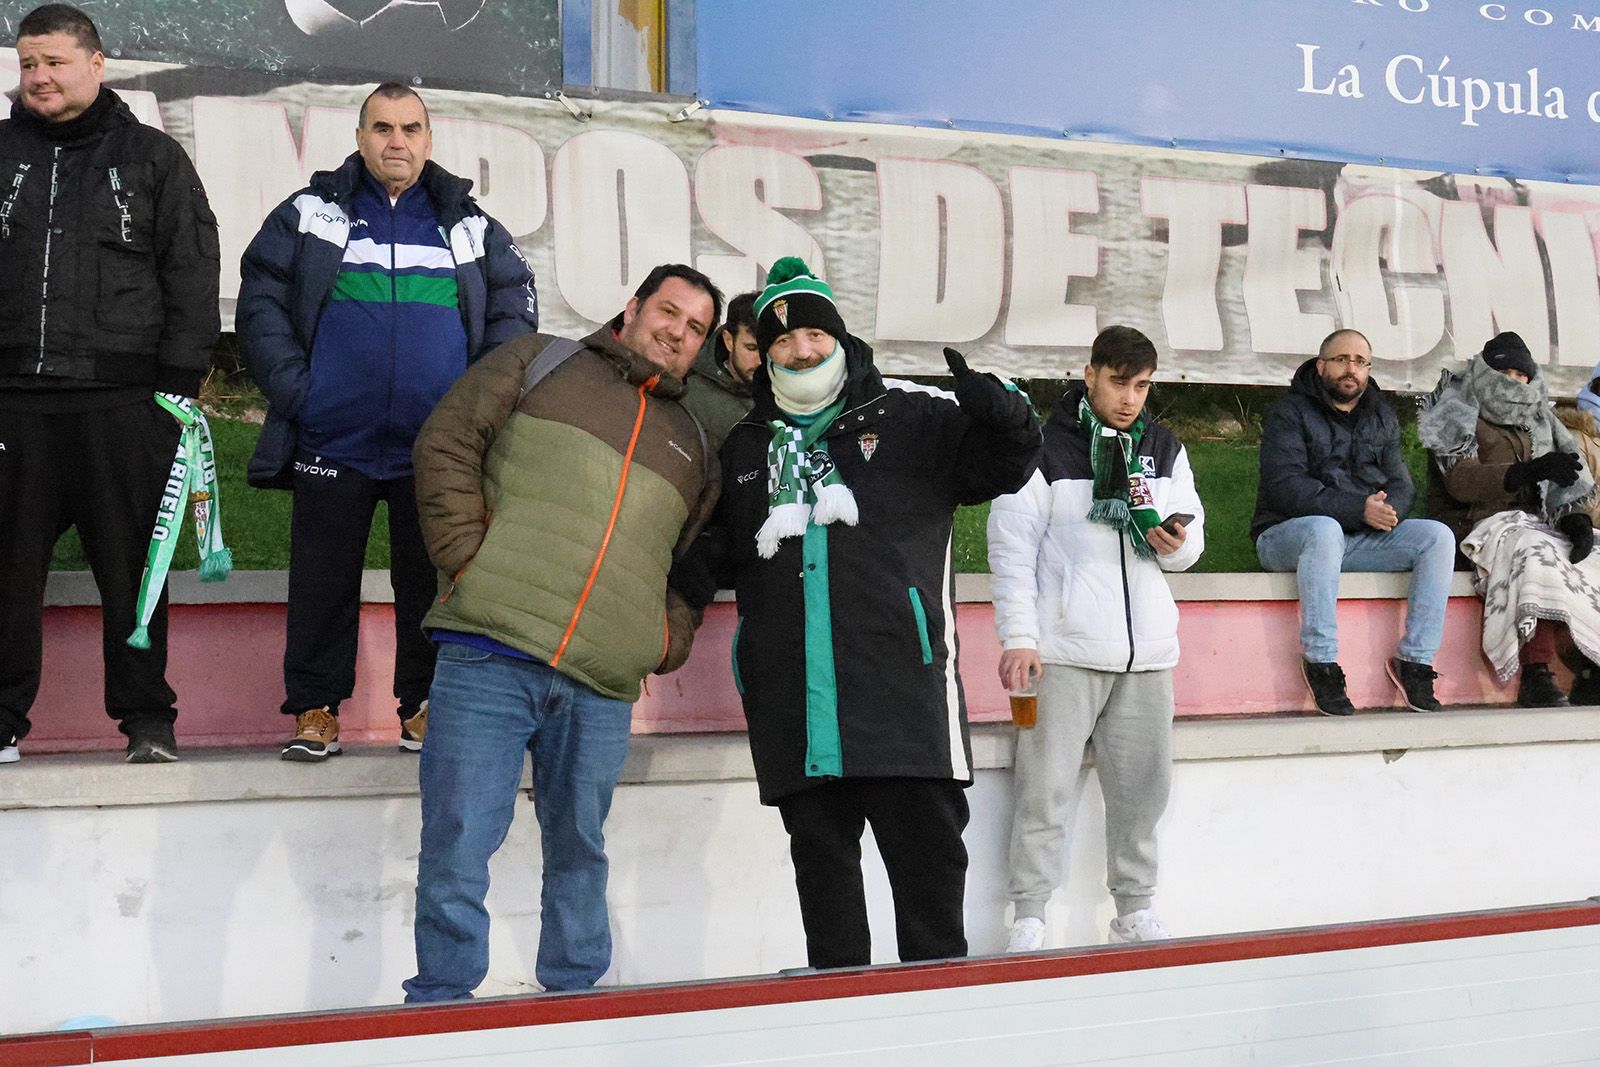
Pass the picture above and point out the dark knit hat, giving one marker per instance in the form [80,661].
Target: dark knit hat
[1506,351]
[794,298]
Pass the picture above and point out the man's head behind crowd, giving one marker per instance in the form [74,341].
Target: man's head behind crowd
[61,60]
[1122,363]
[739,350]
[669,317]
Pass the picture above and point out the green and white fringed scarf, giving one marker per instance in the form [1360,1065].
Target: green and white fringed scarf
[803,483]
[1122,497]
[193,478]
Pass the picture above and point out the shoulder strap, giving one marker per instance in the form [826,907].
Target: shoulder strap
[555,353]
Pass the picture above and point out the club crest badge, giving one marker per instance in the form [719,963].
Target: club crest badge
[869,445]
[780,308]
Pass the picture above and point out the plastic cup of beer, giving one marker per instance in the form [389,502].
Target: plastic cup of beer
[1025,707]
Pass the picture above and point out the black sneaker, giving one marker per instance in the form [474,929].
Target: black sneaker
[1585,686]
[8,749]
[150,741]
[1327,687]
[1537,688]
[1416,683]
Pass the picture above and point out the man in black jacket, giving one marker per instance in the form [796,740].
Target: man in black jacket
[1333,494]
[108,296]
[839,494]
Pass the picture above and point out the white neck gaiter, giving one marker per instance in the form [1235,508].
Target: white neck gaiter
[806,392]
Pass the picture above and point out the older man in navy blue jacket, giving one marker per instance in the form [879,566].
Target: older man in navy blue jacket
[364,297]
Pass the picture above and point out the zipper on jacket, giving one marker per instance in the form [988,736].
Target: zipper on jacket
[1127,597]
[611,523]
[394,337]
[49,231]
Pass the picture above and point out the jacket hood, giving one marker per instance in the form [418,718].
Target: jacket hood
[712,365]
[635,368]
[1307,382]
[450,194]
[861,381]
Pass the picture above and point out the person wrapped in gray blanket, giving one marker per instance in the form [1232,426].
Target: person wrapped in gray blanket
[1522,502]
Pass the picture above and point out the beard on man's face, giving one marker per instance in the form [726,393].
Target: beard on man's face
[1343,388]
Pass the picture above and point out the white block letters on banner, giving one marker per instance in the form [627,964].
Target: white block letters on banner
[742,193]
[942,251]
[1017,249]
[621,207]
[1046,255]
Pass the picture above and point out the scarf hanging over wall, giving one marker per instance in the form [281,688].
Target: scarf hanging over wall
[193,478]
[803,483]
[1448,427]
[1122,496]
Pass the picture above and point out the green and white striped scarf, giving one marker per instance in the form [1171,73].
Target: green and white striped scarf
[1122,496]
[193,479]
[803,483]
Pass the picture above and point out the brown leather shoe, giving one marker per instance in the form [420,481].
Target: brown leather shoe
[316,737]
[413,730]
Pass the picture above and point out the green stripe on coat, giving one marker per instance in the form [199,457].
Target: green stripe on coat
[373,288]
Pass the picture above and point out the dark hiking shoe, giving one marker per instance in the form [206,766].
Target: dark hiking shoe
[1415,681]
[1538,689]
[150,741]
[1585,686]
[1326,681]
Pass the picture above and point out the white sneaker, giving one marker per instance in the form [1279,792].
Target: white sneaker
[1138,926]
[9,753]
[1027,935]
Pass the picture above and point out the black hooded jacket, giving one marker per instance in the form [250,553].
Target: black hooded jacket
[110,213]
[911,455]
[1318,460]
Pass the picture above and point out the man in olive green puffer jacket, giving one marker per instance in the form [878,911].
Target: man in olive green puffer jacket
[553,514]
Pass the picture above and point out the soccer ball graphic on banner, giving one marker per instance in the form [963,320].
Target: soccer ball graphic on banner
[324,18]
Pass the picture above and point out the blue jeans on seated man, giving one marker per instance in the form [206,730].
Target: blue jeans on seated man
[484,712]
[1316,548]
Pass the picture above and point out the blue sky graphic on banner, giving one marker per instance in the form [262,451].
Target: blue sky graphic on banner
[1458,85]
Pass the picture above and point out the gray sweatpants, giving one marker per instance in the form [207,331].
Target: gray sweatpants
[1129,719]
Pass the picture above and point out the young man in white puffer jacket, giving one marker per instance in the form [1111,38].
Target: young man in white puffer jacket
[1083,609]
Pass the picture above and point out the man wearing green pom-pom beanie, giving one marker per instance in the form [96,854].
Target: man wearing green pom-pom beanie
[839,495]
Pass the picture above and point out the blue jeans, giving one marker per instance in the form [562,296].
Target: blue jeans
[1317,549]
[486,710]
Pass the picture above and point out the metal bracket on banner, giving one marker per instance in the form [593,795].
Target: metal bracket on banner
[688,109]
[567,102]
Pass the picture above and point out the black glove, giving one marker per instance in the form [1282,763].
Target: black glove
[1559,467]
[693,580]
[1580,531]
[984,397]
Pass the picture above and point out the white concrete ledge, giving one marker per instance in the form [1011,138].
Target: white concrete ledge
[101,779]
[76,588]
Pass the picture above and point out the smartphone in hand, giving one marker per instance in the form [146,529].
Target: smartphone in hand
[1175,520]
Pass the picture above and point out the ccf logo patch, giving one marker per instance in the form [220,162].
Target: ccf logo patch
[869,445]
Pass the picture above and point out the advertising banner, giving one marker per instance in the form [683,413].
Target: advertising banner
[1507,88]
[506,46]
[1015,249]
